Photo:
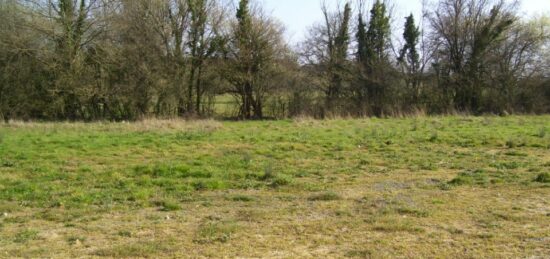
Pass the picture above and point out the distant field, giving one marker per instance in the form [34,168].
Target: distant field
[420,187]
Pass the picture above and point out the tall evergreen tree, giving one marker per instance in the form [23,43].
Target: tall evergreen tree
[341,42]
[409,56]
[378,34]
[409,52]
[361,37]
[339,57]
[373,44]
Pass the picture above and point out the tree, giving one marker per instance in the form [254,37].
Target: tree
[325,52]
[257,47]
[410,58]
[465,31]
[372,57]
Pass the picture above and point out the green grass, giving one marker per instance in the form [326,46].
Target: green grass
[388,187]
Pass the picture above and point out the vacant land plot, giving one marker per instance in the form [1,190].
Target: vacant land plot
[419,187]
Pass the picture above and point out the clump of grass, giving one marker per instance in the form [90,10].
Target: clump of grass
[517,154]
[483,178]
[359,254]
[209,184]
[281,180]
[242,198]
[398,227]
[513,143]
[433,137]
[470,178]
[412,212]
[192,135]
[6,163]
[541,133]
[268,173]
[140,249]
[213,232]
[247,160]
[274,179]
[167,205]
[543,178]
[506,165]
[73,240]
[325,196]
[124,233]
[25,236]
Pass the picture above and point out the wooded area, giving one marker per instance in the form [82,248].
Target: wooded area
[132,59]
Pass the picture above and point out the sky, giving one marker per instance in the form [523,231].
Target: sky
[298,15]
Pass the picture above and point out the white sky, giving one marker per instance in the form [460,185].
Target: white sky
[298,15]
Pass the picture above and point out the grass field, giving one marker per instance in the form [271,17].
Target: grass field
[420,187]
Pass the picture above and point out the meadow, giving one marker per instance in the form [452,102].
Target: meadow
[439,187]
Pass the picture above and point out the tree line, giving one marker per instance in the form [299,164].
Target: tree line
[131,59]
